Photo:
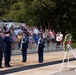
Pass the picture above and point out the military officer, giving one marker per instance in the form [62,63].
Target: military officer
[1,49]
[7,49]
[24,46]
[41,46]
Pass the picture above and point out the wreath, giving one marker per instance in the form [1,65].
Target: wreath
[67,41]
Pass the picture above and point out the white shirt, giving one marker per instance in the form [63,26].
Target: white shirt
[61,35]
[35,31]
[58,38]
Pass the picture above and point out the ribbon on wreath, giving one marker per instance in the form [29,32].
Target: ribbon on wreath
[67,41]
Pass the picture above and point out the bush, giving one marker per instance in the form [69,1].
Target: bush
[73,45]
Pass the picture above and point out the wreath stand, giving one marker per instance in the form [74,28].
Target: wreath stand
[66,54]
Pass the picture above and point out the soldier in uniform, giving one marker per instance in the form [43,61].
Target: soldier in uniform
[7,49]
[24,46]
[1,49]
[41,46]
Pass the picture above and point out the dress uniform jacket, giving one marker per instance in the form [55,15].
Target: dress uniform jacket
[41,46]
[24,44]
[7,49]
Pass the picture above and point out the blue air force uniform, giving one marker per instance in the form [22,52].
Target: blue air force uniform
[41,46]
[7,50]
[1,50]
[24,46]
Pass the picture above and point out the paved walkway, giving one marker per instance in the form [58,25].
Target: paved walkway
[50,66]
[68,72]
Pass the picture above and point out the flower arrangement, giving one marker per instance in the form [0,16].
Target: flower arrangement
[67,41]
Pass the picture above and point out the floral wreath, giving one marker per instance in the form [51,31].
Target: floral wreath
[67,41]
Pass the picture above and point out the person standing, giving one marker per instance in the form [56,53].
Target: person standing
[1,49]
[24,46]
[58,40]
[61,36]
[7,49]
[36,38]
[48,40]
[11,20]
[19,36]
[41,46]
[5,20]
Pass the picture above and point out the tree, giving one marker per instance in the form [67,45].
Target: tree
[59,15]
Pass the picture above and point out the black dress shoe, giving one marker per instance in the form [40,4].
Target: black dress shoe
[1,67]
[8,66]
[40,61]
[23,61]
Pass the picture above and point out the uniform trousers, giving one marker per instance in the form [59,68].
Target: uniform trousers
[7,57]
[24,54]
[1,56]
[40,55]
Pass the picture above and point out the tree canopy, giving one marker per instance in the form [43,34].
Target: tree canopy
[59,15]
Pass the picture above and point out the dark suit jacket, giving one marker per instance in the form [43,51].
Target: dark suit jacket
[1,44]
[1,48]
[7,43]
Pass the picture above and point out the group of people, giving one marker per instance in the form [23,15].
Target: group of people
[25,36]
[5,47]
[5,20]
